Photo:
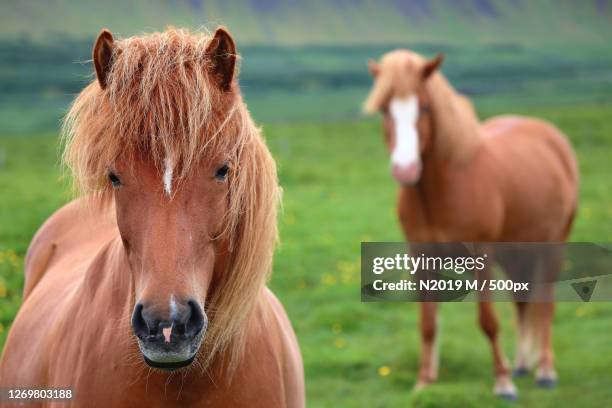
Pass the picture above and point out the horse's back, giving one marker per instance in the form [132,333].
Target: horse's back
[68,232]
[539,175]
[556,141]
[55,263]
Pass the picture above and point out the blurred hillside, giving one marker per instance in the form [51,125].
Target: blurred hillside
[306,60]
[524,22]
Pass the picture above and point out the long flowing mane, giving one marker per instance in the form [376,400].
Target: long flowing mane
[456,125]
[161,101]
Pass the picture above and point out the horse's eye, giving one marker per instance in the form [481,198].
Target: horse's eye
[221,173]
[115,181]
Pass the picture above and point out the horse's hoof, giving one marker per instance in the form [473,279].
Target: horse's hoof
[420,385]
[505,389]
[547,383]
[508,396]
[520,372]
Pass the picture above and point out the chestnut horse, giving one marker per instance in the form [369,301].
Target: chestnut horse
[151,290]
[511,179]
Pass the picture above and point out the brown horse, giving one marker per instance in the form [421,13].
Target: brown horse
[510,179]
[151,291]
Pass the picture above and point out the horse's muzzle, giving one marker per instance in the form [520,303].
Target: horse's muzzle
[172,343]
[407,175]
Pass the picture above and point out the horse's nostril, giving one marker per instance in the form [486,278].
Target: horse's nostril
[153,327]
[139,325]
[186,322]
[197,319]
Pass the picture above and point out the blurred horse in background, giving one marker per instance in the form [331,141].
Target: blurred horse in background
[162,268]
[511,178]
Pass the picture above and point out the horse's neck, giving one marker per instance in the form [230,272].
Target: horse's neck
[456,130]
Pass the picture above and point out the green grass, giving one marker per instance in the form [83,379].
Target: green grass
[337,193]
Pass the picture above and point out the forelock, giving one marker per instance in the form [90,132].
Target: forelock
[160,100]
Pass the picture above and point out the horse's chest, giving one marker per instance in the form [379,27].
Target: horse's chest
[443,217]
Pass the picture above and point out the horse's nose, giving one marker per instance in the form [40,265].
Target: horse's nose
[407,174]
[184,322]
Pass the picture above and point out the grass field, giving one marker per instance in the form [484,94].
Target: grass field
[337,193]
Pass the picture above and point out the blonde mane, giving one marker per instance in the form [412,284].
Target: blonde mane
[161,101]
[456,125]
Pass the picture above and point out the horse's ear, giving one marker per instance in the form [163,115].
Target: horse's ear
[432,65]
[374,68]
[102,55]
[222,51]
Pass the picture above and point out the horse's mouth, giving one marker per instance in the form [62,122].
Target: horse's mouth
[173,365]
[173,355]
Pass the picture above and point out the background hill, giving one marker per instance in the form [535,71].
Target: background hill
[306,60]
[325,21]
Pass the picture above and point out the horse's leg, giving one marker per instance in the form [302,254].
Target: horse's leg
[504,387]
[519,267]
[524,342]
[546,376]
[552,258]
[428,371]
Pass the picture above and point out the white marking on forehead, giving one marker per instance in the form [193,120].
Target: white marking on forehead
[405,113]
[168,170]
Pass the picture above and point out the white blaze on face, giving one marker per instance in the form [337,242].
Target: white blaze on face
[405,112]
[168,170]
